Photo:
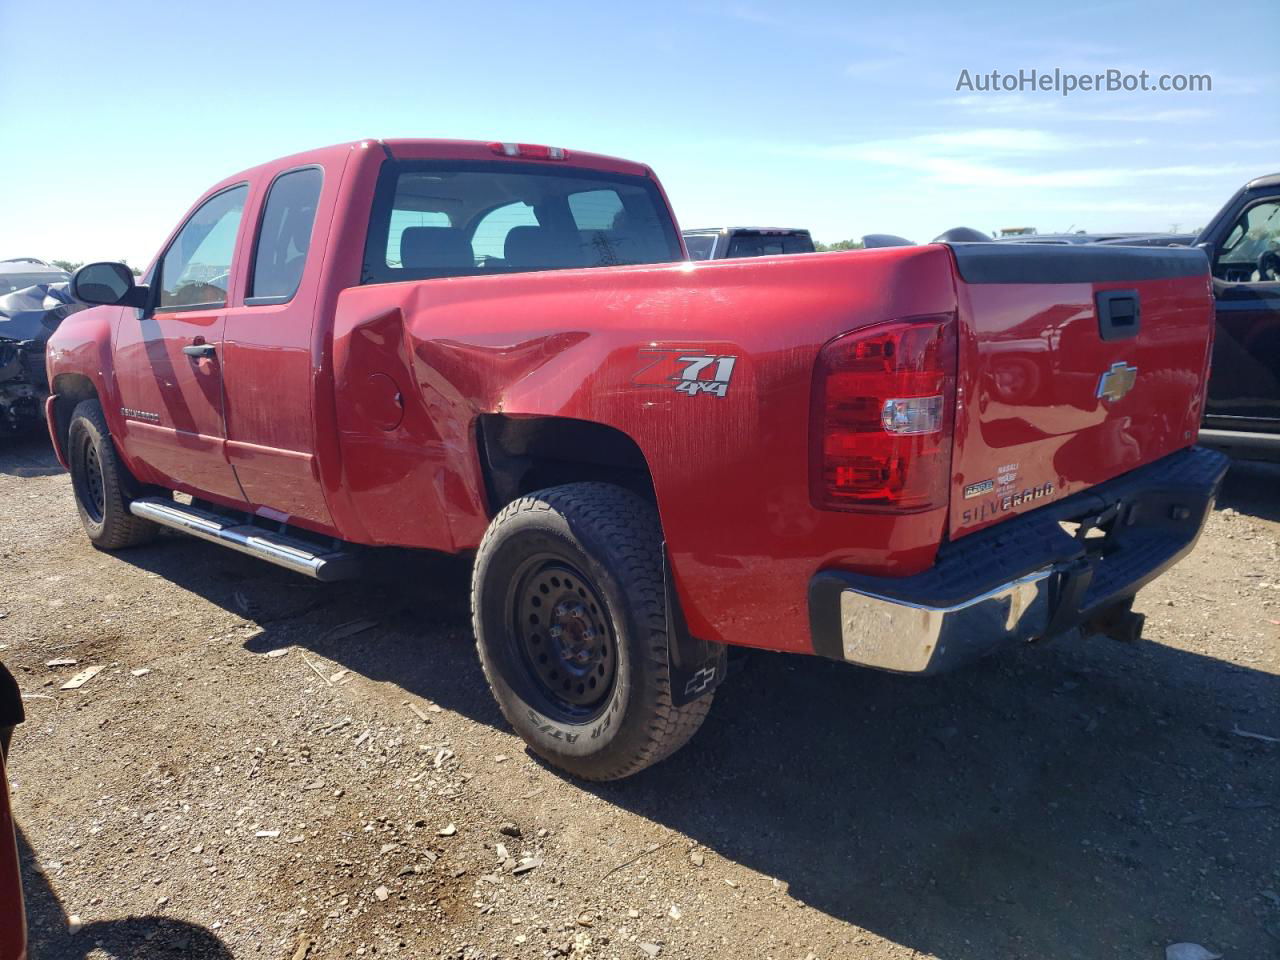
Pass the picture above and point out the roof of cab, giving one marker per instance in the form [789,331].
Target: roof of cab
[485,150]
[429,149]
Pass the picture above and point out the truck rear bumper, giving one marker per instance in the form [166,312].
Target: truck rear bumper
[1243,443]
[1039,575]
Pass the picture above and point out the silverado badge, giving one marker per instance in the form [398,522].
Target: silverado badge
[1117,381]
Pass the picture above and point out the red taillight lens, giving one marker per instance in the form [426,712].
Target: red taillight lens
[530,151]
[883,402]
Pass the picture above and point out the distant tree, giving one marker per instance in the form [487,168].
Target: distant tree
[68,265]
[136,271]
[838,245]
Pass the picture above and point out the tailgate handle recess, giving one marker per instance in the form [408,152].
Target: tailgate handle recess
[1119,314]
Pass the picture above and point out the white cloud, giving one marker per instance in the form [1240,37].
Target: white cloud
[1009,157]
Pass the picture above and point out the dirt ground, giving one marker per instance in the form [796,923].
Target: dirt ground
[282,783]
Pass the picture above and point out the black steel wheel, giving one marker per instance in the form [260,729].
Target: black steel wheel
[562,638]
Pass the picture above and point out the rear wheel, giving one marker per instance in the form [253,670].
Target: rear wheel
[569,608]
[102,483]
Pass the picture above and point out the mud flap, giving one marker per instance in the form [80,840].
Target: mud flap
[696,666]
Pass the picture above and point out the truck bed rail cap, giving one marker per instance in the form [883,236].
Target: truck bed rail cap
[1085,263]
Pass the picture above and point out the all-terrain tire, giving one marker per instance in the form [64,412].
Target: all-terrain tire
[102,484]
[598,548]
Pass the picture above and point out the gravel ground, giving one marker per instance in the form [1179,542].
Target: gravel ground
[265,767]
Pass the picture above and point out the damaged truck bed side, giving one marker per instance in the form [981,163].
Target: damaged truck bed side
[902,458]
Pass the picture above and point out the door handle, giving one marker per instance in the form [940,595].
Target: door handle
[200,350]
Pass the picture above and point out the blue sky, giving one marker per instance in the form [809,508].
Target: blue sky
[840,117]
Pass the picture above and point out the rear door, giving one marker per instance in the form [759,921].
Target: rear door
[167,364]
[1076,364]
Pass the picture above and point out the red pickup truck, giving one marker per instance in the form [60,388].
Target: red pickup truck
[900,458]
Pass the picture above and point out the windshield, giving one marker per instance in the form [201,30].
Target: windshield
[449,219]
[700,246]
[768,245]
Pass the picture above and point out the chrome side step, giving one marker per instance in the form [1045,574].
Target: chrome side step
[278,548]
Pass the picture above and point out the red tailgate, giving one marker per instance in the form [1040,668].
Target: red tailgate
[1062,383]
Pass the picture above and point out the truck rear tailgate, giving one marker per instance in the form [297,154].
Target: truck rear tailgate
[1076,364]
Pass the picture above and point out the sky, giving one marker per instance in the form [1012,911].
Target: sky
[841,117]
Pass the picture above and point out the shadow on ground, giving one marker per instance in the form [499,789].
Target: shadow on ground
[30,455]
[1080,800]
[129,938]
[1252,487]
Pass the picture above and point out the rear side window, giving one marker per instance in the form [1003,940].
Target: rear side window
[440,219]
[196,269]
[285,235]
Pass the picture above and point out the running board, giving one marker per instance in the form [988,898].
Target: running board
[278,548]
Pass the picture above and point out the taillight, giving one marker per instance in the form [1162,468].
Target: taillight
[529,151]
[883,402]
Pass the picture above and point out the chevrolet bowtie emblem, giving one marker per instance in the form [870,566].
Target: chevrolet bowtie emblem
[1117,381]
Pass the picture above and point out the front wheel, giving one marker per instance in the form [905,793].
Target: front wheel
[101,483]
[569,608]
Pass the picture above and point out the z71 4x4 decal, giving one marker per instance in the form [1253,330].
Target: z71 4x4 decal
[686,371]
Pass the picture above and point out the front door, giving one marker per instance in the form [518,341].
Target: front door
[168,366]
[269,386]
[1244,384]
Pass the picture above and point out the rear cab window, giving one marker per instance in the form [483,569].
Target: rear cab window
[449,219]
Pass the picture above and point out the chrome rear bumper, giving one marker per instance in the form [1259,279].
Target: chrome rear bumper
[1024,579]
[901,636]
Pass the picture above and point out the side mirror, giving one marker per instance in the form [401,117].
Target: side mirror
[111,284]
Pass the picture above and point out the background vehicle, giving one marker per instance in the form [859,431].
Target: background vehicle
[718,243]
[497,347]
[21,272]
[1128,239]
[1243,243]
[28,315]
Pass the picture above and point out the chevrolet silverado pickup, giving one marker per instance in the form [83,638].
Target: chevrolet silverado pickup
[901,458]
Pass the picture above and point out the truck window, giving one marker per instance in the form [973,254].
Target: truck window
[196,269]
[768,245]
[285,235]
[1241,258]
[481,218]
[700,247]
